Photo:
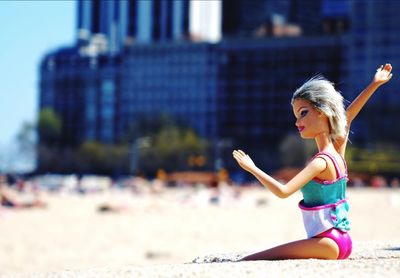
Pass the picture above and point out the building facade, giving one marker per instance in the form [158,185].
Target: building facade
[373,42]
[84,92]
[122,23]
[134,62]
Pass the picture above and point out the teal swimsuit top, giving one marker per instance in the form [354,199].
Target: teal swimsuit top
[325,204]
[318,192]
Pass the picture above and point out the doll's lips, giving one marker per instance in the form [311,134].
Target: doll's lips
[300,128]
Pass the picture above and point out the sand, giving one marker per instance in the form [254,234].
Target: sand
[159,235]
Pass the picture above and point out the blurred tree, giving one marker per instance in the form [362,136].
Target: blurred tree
[93,152]
[98,158]
[26,140]
[156,143]
[172,147]
[49,127]
[26,137]
[50,157]
[382,159]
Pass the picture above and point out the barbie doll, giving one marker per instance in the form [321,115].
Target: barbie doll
[320,115]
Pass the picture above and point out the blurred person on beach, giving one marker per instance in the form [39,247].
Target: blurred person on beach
[378,182]
[13,198]
[320,115]
[395,183]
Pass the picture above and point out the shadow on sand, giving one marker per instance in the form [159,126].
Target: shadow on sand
[392,249]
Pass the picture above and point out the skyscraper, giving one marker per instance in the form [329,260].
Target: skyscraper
[119,23]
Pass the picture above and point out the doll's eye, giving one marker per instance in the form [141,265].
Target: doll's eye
[303,113]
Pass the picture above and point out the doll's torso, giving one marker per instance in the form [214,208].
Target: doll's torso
[325,205]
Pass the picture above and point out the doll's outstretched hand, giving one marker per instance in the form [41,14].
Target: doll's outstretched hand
[244,160]
[383,74]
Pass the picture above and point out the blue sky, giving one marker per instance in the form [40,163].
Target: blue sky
[28,29]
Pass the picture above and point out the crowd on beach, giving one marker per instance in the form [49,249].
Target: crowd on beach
[17,192]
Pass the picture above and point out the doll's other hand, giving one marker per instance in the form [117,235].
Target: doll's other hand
[244,160]
[383,74]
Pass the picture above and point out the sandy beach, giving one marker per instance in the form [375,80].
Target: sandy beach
[158,235]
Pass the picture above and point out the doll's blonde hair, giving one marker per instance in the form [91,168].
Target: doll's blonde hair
[322,95]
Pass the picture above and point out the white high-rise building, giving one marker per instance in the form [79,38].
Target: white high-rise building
[205,20]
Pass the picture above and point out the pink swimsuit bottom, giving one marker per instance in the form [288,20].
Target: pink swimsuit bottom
[342,239]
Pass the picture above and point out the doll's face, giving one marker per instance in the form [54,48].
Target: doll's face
[310,122]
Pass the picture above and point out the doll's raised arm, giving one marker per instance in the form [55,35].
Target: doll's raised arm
[383,74]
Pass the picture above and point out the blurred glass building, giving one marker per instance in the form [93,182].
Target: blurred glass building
[225,68]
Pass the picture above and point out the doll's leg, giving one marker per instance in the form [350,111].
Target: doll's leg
[313,248]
